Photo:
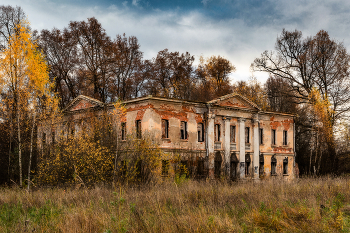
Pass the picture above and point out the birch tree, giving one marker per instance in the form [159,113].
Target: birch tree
[25,82]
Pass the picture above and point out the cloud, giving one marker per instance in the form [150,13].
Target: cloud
[237,30]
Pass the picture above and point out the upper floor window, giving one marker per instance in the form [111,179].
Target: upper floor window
[217,132]
[138,129]
[273,137]
[233,133]
[247,135]
[200,131]
[183,130]
[261,136]
[165,128]
[285,137]
[123,136]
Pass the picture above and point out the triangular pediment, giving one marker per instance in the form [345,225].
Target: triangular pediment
[234,101]
[82,102]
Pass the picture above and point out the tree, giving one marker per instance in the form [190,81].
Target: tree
[315,62]
[172,75]
[253,91]
[95,50]
[127,67]
[61,52]
[24,82]
[212,78]
[9,18]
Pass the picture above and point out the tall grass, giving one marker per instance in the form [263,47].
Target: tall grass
[303,205]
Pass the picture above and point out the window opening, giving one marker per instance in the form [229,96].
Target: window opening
[273,137]
[273,165]
[138,129]
[200,130]
[183,130]
[247,136]
[183,168]
[285,166]
[165,128]
[247,164]
[200,168]
[261,136]
[233,133]
[123,136]
[217,132]
[217,164]
[165,167]
[233,166]
[261,165]
[285,137]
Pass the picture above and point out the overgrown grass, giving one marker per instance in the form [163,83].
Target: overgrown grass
[304,205]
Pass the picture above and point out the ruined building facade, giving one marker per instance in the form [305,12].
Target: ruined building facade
[228,136]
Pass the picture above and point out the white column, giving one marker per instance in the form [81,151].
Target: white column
[210,141]
[242,147]
[227,145]
[256,145]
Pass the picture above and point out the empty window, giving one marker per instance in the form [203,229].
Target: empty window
[261,136]
[165,167]
[247,164]
[233,133]
[217,164]
[123,125]
[273,137]
[200,131]
[200,169]
[273,165]
[285,137]
[183,130]
[217,132]
[285,166]
[183,168]
[138,129]
[261,165]
[247,134]
[165,128]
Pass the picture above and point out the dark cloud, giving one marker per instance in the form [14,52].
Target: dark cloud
[237,29]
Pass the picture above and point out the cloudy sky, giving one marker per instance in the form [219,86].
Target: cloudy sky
[239,30]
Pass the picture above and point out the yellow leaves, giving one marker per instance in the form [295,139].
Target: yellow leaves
[24,72]
[323,111]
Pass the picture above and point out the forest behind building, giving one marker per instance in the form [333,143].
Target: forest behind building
[308,77]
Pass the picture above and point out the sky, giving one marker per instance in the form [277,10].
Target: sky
[239,30]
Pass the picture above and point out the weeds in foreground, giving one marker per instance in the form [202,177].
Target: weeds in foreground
[304,205]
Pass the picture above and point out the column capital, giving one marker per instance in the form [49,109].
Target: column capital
[256,121]
[226,118]
[241,119]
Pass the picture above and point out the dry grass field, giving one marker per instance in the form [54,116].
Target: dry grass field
[303,205]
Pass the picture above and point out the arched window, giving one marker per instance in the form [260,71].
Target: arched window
[217,164]
[261,165]
[233,166]
[273,165]
[247,164]
[285,166]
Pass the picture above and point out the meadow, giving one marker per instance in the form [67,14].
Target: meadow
[182,205]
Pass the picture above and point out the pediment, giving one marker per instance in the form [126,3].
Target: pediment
[234,101]
[82,102]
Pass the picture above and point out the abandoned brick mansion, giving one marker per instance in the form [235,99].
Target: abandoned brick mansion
[229,135]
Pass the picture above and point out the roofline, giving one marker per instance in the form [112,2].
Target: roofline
[81,97]
[150,97]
